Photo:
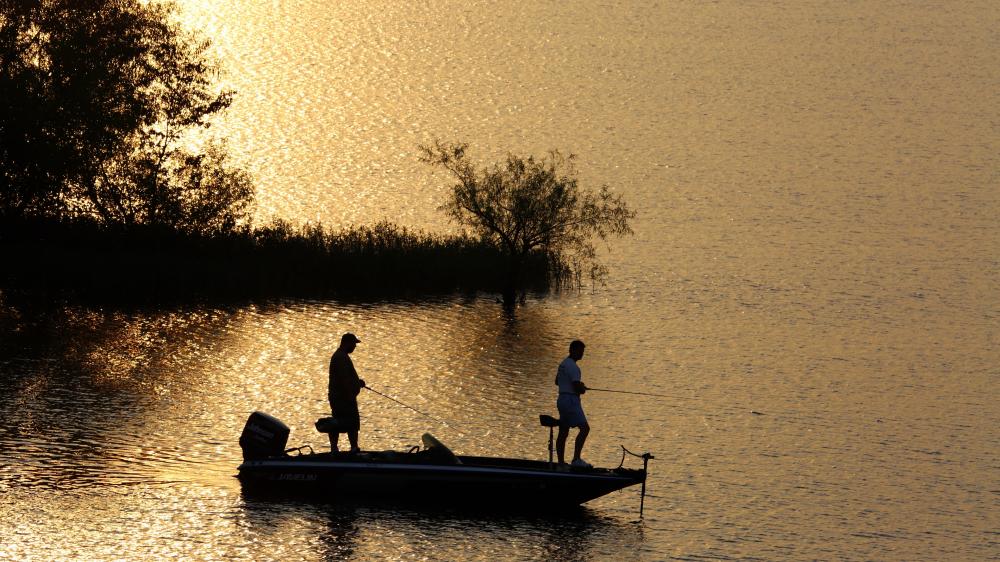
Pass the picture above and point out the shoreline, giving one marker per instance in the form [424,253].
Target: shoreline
[85,262]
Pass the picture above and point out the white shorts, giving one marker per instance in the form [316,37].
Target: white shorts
[570,410]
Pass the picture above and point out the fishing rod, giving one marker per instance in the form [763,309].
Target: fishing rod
[408,406]
[630,392]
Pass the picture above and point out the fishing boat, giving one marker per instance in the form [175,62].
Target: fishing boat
[432,473]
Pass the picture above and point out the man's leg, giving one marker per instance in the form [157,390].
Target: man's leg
[352,436]
[334,436]
[561,443]
[581,438]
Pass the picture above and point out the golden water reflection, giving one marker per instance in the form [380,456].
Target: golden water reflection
[813,282]
[150,445]
[137,427]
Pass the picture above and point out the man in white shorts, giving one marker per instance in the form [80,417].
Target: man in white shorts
[569,405]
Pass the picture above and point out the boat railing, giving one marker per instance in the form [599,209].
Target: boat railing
[299,450]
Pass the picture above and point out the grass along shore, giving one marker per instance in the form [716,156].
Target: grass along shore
[85,261]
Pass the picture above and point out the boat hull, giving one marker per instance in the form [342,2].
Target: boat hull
[472,480]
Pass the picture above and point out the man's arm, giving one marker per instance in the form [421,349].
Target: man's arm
[579,387]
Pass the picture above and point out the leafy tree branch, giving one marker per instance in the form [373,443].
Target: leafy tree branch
[524,205]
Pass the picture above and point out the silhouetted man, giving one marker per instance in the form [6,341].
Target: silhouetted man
[568,378]
[343,393]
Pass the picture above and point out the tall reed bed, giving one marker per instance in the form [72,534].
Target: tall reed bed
[86,261]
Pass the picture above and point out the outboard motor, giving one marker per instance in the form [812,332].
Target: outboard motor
[263,436]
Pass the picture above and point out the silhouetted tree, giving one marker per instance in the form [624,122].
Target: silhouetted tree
[96,99]
[523,205]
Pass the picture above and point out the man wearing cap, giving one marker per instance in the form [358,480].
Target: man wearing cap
[343,393]
[568,378]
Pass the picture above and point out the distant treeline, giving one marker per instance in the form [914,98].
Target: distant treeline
[86,261]
[105,195]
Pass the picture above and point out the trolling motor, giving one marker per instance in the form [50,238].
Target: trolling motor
[646,457]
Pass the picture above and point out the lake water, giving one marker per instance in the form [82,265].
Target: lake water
[814,282]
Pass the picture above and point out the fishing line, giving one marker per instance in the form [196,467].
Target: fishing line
[698,411]
[414,409]
[629,392]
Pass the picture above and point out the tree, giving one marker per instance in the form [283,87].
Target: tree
[526,205]
[196,193]
[96,99]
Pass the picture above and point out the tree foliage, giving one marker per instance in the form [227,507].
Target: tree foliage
[524,205]
[97,100]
